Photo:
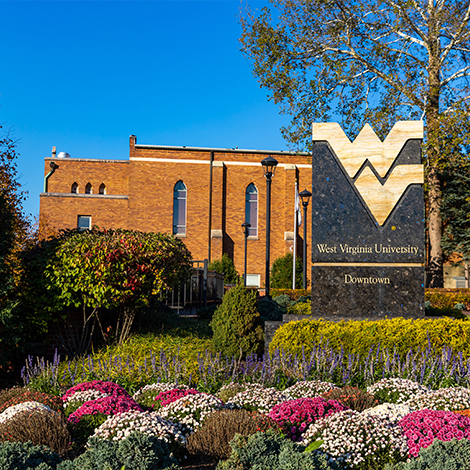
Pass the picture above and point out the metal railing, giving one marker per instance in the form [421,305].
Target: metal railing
[204,288]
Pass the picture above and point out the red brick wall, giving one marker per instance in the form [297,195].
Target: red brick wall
[148,181]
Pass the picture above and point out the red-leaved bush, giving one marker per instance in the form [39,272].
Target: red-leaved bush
[422,427]
[295,416]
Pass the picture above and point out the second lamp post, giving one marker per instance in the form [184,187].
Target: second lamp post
[269,167]
[305,196]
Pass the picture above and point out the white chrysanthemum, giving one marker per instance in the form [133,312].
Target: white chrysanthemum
[158,388]
[308,389]
[30,406]
[396,390]
[446,399]
[84,396]
[350,438]
[191,410]
[257,398]
[121,425]
[392,412]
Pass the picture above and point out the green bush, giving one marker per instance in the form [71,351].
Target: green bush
[357,337]
[283,300]
[268,310]
[27,456]
[300,308]
[86,427]
[270,451]
[294,294]
[282,272]
[450,455]
[441,298]
[136,452]
[226,267]
[237,324]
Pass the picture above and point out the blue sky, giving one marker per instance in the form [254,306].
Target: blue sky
[84,75]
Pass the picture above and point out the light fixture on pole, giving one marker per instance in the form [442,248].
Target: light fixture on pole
[305,196]
[245,226]
[269,167]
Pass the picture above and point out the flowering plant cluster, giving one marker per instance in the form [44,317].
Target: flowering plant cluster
[392,412]
[447,399]
[257,398]
[108,406]
[84,396]
[152,390]
[228,391]
[396,390]
[191,410]
[33,395]
[294,416]
[27,406]
[120,426]
[108,388]
[357,440]
[308,389]
[165,398]
[421,428]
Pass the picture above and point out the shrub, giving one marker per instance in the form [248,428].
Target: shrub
[454,454]
[442,298]
[136,452]
[27,406]
[256,398]
[294,294]
[165,398]
[237,324]
[213,437]
[282,272]
[282,300]
[39,427]
[422,427]
[295,416]
[85,428]
[390,411]
[75,401]
[395,390]
[22,395]
[191,410]
[107,388]
[269,451]
[226,267]
[120,426]
[300,308]
[447,399]
[228,391]
[308,389]
[359,441]
[352,397]
[146,395]
[357,337]
[27,456]
[268,310]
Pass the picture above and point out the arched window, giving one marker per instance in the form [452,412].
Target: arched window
[251,209]
[74,189]
[179,209]
[88,189]
[102,189]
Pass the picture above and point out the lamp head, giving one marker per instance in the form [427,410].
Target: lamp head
[269,166]
[305,196]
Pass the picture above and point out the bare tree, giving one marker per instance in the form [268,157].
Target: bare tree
[368,61]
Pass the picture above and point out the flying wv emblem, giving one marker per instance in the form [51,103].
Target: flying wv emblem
[379,185]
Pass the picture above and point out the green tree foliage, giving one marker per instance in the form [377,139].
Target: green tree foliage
[115,269]
[237,324]
[282,272]
[455,210]
[368,61]
[225,266]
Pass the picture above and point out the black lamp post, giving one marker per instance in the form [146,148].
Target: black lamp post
[305,196]
[269,167]
[245,226]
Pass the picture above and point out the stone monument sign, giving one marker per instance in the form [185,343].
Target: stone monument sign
[367,223]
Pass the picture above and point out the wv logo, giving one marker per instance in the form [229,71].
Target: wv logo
[368,162]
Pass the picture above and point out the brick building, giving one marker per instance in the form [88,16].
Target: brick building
[202,195]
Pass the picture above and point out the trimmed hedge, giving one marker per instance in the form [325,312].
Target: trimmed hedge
[293,294]
[358,337]
[442,298]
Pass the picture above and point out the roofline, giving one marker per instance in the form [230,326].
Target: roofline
[72,159]
[221,150]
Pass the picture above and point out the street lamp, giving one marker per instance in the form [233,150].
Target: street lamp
[305,196]
[269,167]
[245,226]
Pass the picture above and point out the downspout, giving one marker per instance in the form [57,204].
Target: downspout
[54,167]
[210,209]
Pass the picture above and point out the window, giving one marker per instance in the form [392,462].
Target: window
[251,209]
[179,209]
[252,280]
[84,222]
[74,189]
[88,189]
[102,189]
